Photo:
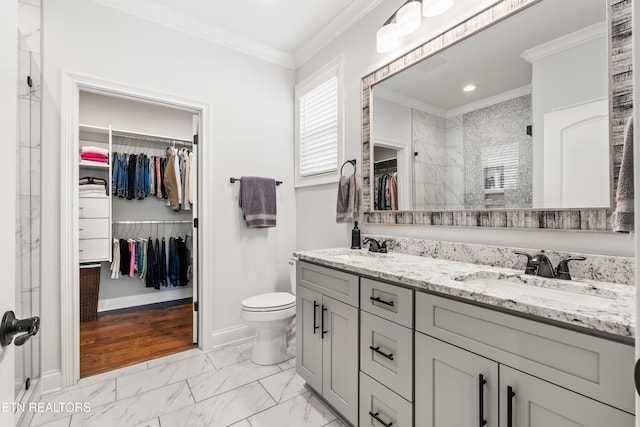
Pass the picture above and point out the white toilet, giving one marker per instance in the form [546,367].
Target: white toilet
[270,315]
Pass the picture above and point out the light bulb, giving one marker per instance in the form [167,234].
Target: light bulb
[435,7]
[408,18]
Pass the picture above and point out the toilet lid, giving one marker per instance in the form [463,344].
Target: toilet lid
[269,302]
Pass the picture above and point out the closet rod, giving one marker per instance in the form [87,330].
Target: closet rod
[152,222]
[155,139]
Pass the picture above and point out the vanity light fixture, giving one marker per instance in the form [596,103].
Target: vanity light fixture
[435,7]
[406,20]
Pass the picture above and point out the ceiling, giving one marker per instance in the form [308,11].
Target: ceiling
[492,58]
[274,30]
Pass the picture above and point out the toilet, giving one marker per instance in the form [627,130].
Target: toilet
[270,315]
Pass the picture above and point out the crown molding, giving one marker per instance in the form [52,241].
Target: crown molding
[491,100]
[407,101]
[343,21]
[170,18]
[568,41]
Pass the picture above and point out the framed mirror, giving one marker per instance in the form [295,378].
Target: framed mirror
[536,144]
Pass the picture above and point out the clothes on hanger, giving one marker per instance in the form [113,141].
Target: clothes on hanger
[385,191]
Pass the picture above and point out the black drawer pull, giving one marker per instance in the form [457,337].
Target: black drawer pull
[510,395]
[322,321]
[381,301]
[481,383]
[375,417]
[377,350]
[315,323]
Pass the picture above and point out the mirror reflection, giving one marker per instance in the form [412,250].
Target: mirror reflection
[515,116]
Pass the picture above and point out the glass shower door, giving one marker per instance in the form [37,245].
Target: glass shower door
[27,285]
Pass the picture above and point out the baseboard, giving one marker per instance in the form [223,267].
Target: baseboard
[110,304]
[229,336]
[51,381]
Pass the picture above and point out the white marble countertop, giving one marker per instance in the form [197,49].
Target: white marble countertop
[601,306]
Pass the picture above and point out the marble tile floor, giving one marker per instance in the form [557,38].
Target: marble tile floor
[189,389]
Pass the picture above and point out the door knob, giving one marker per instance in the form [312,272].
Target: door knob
[11,326]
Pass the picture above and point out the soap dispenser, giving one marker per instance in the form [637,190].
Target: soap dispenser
[355,237]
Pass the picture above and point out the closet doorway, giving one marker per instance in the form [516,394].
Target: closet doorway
[137,169]
[113,229]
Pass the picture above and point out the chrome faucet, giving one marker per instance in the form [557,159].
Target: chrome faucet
[375,246]
[540,265]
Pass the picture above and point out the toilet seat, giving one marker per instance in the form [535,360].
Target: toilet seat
[274,301]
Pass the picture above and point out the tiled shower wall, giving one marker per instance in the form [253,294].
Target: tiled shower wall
[28,184]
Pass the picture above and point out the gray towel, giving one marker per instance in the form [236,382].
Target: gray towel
[622,218]
[258,201]
[347,209]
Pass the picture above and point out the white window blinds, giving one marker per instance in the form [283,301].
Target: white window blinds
[318,109]
[500,164]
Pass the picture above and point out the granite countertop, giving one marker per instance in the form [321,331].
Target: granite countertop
[601,306]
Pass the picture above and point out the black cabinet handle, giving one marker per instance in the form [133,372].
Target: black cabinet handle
[636,376]
[510,395]
[377,350]
[315,322]
[481,382]
[322,321]
[375,417]
[381,301]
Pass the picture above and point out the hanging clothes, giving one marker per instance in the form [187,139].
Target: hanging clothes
[171,183]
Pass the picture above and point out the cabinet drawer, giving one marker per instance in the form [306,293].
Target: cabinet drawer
[396,369]
[377,400]
[94,249]
[589,365]
[93,207]
[391,302]
[93,228]
[333,283]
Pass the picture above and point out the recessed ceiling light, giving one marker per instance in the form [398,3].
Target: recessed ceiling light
[469,88]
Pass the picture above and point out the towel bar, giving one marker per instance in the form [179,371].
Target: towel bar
[232,180]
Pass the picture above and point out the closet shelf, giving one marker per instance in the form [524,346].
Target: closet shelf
[92,165]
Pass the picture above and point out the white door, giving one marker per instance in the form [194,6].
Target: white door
[8,118]
[576,139]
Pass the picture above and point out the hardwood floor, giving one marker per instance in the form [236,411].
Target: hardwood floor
[117,340]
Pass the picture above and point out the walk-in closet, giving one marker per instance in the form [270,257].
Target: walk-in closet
[137,236]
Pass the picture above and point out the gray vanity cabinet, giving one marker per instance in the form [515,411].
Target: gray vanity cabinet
[327,341]
[454,387]
[538,403]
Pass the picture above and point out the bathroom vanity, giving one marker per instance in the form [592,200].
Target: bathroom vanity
[402,340]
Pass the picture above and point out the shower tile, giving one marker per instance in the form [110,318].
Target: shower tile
[139,382]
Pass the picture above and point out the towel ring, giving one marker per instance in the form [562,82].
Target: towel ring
[353,162]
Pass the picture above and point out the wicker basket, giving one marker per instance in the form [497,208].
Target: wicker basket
[89,289]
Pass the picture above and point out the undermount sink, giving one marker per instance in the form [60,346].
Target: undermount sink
[358,255]
[513,286]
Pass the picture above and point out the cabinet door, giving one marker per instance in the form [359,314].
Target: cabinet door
[450,388]
[537,403]
[340,357]
[309,343]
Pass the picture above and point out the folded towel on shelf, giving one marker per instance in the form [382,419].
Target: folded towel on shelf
[94,149]
[95,157]
[622,217]
[92,189]
[347,207]
[258,201]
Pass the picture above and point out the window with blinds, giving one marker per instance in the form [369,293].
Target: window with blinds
[318,116]
[319,129]
[500,165]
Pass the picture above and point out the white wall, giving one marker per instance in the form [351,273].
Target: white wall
[251,131]
[316,225]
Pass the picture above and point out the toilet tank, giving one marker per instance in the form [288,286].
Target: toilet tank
[292,273]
